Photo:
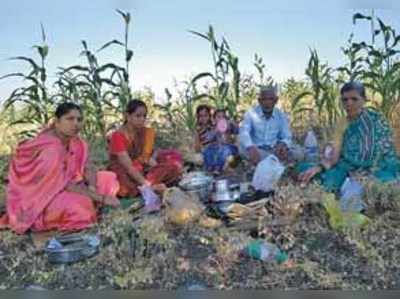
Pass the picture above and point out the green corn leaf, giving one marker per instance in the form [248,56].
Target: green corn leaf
[75,68]
[27,59]
[129,55]
[12,75]
[199,34]
[126,16]
[42,50]
[201,76]
[300,97]
[113,42]
[359,16]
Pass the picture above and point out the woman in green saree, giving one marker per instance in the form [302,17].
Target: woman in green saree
[367,145]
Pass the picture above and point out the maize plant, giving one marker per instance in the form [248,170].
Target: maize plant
[103,90]
[381,63]
[296,100]
[225,78]
[188,97]
[32,101]
[123,92]
[353,69]
[324,90]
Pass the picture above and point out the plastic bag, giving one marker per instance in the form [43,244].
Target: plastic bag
[338,219]
[152,202]
[351,194]
[267,174]
[107,183]
[181,207]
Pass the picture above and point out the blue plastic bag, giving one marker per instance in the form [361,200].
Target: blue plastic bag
[152,202]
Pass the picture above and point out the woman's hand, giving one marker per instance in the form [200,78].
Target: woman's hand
[307,175]
[159,188]
[111,201]
[330,156]
[90,174]
[152,162]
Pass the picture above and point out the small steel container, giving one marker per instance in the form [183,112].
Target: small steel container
[197,183]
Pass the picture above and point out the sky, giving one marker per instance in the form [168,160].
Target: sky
[164,51]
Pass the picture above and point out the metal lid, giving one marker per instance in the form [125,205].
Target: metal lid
[195,180]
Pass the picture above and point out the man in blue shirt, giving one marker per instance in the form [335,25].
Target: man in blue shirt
[265,129]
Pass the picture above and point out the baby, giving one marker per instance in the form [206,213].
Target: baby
[219,154]
[226,130]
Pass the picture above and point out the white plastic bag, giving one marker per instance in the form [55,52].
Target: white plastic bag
[351,194]
[267,174]
[181,207]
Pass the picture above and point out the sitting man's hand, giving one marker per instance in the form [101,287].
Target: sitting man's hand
[306,176]
[281,150]
[254,154]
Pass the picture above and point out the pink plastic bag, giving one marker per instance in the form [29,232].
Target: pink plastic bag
[107,183]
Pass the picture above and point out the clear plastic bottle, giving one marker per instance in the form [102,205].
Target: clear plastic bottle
[266,251]
[311,147]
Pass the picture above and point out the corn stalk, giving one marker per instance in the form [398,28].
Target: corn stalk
[324,90]
[31,101]
[380,63]
[225,77]
[103,90]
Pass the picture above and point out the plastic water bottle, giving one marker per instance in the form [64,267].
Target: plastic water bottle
[311,147]
[265,251]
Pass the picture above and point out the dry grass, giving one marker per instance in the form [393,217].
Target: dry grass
[396,134]
[322,258]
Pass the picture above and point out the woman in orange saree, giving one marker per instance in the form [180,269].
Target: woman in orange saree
[50,187]
[131,149]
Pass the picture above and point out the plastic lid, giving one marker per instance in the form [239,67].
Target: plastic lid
[281,257]
[254,249]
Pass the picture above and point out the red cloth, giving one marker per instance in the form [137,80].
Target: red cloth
[170,156]
[118,143]
[167,171]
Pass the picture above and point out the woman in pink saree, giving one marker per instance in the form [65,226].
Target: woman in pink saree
[50,186]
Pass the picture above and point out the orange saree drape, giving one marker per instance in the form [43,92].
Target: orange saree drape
[140,149]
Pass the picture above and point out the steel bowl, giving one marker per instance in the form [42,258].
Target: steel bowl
[197,183]
[73,249]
